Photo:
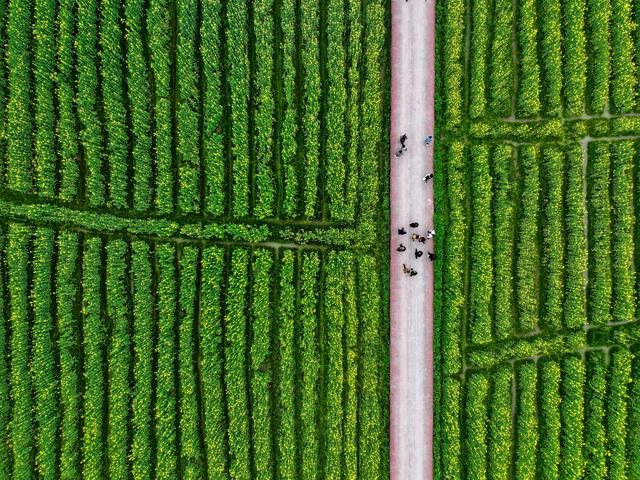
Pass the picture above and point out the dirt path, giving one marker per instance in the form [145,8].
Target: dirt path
[412,90]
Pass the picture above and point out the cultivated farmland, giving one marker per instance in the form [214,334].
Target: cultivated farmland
[193,253]
[539,374]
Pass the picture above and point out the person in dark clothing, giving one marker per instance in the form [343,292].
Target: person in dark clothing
[432,256]
[412,273]
[403,138]
[422,239]
[402,231]
[427,177]
[401,248]
[418,253]
[414,225]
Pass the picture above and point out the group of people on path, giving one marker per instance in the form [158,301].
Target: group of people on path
[415,236]
[417,252]
[403,148]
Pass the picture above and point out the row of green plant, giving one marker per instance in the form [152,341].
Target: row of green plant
[618,379]
[453,47]
[235,354]
[264,194]
[290,127]
[622,225]
[354,55]
[19,128]
[43,64]
[159,38]
[576,250]
[86,102]
[503,218]
[599,198]
[528,255]
[66,288]
[310,367]
[115,116]
[595,440]
[481,267]
[66,134]
[454,260]
[478,53]
[623,56]
[476,416]
[191,458]
[553,237]
[143,347]
[93,334]
[550,424]
[350,356]
[501,71]
[574,69]
[373,119]
[286,434]
[333,318]
[336,100]
[373,353]
[238,75]
[139,98]
[261,375]
[211,338]
[188,100]
[550,17]
[539,345]
[500,427]
[572,417]
[213,111]
[528,93]
[42,356]
[118,358]
[597,16]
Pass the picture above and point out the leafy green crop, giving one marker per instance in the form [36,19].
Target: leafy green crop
[193,215]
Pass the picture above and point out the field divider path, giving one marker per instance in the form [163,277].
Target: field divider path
[411,300]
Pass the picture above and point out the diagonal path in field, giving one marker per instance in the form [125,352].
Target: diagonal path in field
[411,309]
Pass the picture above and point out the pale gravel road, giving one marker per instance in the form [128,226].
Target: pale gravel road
[412,96]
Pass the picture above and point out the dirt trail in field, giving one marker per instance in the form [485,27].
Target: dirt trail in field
[412,90]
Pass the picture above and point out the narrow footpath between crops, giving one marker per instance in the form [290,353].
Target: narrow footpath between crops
[412,96]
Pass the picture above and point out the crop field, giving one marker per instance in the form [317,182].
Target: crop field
[193,239]
[536,303]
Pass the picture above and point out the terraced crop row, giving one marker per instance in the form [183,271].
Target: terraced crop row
[212,361]
[536,303]
[192,253]
[535,223]
[598,71]
[221,109]
[540,268]
[570,418]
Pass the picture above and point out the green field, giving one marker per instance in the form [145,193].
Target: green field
[193,239]
[538,196]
